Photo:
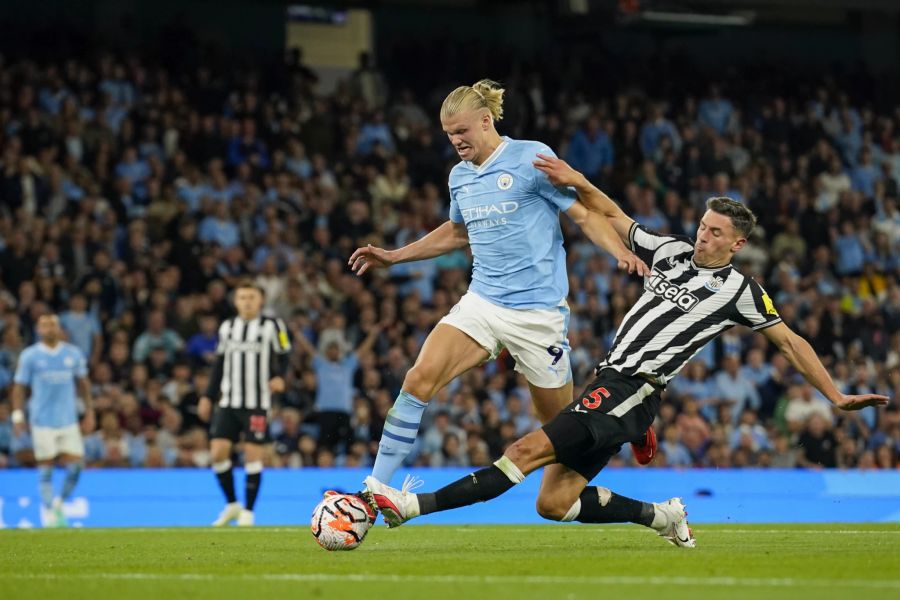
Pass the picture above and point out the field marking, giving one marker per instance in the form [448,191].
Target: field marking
[513,528]
[472,579]
[701,528]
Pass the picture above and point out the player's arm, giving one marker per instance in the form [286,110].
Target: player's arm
[370,339]
[84,390]
[213,389]
[800,354]
[281,344]
[446,238]
[562,175]
[305,345]
[17,397]
[601,231]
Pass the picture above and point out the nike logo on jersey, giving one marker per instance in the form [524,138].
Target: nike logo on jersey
[662,287]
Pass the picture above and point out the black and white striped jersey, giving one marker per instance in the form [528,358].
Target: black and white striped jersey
[683,307]
[248,348]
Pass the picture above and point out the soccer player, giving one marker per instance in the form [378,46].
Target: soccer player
[252,360]
[53,369]
[692,295]
[507,212]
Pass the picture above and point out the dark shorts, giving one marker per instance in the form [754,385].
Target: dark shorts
[614,409]
[230,423]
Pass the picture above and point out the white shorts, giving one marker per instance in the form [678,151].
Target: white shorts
[50,442]
[535,337]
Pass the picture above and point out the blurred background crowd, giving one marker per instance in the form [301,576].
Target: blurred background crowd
[134,195]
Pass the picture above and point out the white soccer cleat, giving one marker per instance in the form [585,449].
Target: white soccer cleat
[676,530]
[231,512]
[245,518]
[58,518]
[396,506]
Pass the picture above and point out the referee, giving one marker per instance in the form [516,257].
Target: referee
[252,359]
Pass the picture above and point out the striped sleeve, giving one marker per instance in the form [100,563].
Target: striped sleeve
[645,242]
[224,330]
[755,309]
[281,341]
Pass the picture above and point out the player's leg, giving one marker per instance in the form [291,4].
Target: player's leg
[44,442]
[563,489]
[521,458]
[46,448]
[70,447]
[255,427]
[603,411]
[447,352]
[223,433]
[45,487]
[560,485]
[253,467]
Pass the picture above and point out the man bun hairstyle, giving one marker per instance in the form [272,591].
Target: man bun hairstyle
[482,94]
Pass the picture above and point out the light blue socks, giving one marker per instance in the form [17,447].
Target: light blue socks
[45,485]
[400,429]
[73,472]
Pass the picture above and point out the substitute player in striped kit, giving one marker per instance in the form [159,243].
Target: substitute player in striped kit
[252,360]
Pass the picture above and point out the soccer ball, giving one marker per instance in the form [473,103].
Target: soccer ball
[341,521]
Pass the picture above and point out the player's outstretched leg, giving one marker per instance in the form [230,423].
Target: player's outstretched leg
[600,505]
[524,456]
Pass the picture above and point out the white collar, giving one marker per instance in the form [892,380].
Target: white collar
[491,158]
[49,350]
[699,268]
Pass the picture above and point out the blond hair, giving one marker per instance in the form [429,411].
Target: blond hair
[483,94]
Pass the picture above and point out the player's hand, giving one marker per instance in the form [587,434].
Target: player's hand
[20,429]
[204,409]
[369,257]
[88,423]
[276,385]
[557,170]
[860,401]
[630,263]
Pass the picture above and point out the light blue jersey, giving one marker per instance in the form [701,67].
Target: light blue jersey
[51,376]
[511,211]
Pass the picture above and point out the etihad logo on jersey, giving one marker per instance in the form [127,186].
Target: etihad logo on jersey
[235,346]
[662,287]
[488,215]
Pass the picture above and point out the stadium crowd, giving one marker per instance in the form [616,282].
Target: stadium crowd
[133,197]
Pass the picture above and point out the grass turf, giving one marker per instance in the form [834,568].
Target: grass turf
[435,562]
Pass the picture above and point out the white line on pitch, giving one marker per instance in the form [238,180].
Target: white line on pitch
[474,579]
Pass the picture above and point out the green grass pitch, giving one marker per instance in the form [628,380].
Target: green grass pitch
[462,563]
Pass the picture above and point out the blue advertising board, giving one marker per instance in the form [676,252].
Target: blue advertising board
[191,497]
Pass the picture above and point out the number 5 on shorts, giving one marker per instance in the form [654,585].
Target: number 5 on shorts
[596,398]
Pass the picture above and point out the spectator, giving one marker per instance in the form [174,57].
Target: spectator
[156,336]
[82,328]
[591,151]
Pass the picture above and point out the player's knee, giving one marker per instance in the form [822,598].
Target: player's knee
[550,507]
[522,451]
[419,382]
